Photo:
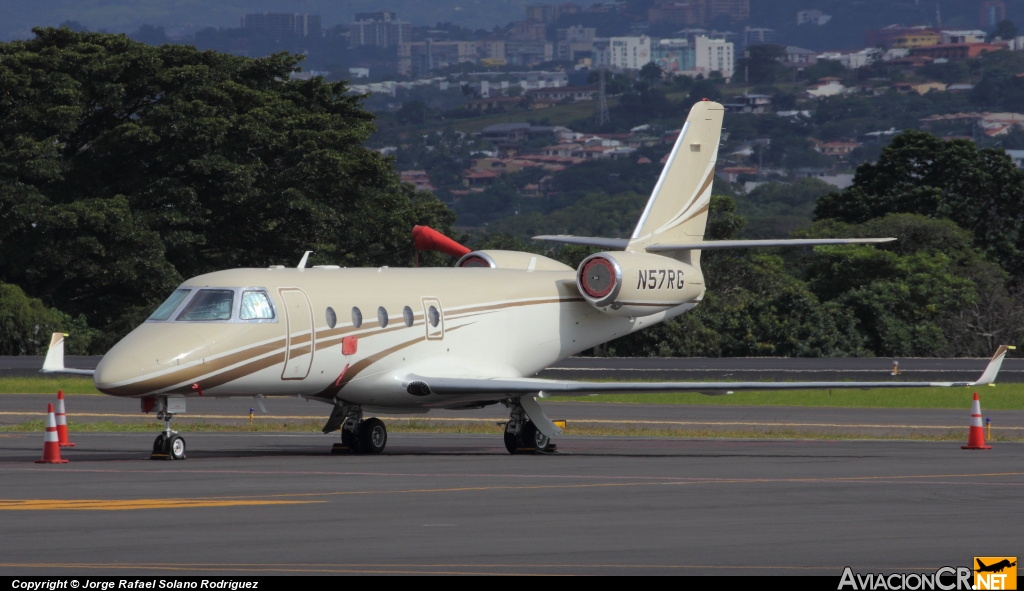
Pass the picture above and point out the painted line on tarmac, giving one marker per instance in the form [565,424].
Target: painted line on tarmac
[910,478]
[153,417]
[572,421]
[134,504]
[315,498]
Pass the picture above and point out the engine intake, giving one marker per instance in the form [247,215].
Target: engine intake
[510,259]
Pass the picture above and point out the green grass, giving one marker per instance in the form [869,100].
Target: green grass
[48,385]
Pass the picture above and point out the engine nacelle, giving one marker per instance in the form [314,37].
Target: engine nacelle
[630,284]
[510,259]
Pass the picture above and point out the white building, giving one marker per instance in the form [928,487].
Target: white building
[852,60]
[622,53]
[971,36]
[812,17]
[714,55]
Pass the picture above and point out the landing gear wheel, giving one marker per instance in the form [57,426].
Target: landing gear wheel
[540,440]
[373,436]
[350,439]
[530,439]
[176,447]
[511,443]
[160,445]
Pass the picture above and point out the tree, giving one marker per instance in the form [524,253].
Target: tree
[26,325]
[125,167]
[931,292]
[762,64]
[650,75]
[978,189]
[1005,30]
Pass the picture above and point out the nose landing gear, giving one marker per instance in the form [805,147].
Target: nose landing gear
[168,445]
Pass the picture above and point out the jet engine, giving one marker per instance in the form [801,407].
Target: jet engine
[510,259]
[631,284]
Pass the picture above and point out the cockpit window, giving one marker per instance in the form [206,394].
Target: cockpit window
[256,306]
[170,305]
[209,304]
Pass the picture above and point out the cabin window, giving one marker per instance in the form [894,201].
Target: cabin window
[209,304]
[407,315]
[170,305]
[357,317]
[382,316]
[256,306]
[332,318]
[433,316]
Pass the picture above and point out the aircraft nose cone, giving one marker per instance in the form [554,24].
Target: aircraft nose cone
[115,373]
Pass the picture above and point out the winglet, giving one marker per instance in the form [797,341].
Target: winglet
[994,365]
[54,361]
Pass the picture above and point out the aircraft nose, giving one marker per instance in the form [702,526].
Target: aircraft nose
[115,372]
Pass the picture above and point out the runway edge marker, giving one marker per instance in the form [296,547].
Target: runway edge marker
[976,435]
[51,446]
[62,422]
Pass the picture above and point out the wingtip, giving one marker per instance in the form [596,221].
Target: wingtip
[994,365]
[54,361]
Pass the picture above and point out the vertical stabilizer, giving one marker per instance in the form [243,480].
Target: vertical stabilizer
[54,361]
[677,210]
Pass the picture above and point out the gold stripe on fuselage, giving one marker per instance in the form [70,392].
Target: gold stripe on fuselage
[226,368]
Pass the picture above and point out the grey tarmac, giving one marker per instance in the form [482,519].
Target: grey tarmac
[262,504]
[279,504]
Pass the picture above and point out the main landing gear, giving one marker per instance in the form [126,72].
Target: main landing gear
[521,435]
[359,436]
[168,445]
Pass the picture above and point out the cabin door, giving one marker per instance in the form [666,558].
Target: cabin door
[434,319]
[299,341]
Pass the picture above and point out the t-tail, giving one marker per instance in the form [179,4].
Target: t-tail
[658,268]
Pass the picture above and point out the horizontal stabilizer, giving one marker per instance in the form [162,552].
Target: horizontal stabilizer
[621,243]
[727,244]
[616,243]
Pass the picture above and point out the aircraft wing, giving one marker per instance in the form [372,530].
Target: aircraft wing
[514,387]
[54,362]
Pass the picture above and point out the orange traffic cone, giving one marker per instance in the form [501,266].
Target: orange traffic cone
[51,447]
[62,422]
[976,436]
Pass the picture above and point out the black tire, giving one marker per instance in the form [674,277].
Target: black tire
[176,447]
[373,436]
[511,443]
[530,439]
[160,445]
[350,439]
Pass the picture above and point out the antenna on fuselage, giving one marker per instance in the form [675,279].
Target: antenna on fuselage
[305,257]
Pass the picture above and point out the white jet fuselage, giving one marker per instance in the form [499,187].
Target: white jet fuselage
[500,323]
